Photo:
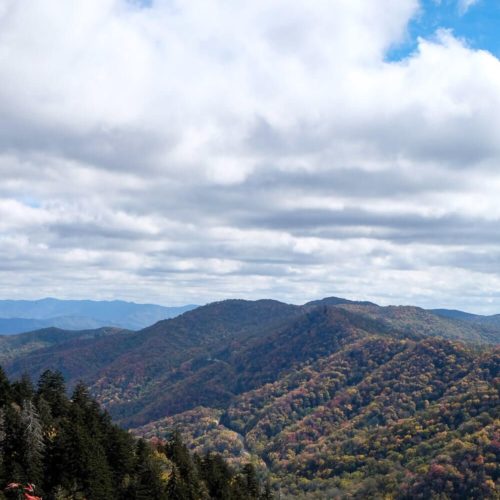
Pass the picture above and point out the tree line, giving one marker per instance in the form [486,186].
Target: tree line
[57,447]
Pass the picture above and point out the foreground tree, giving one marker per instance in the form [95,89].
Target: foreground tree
[71,450]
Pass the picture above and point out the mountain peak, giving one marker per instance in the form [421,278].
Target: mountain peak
[335,301]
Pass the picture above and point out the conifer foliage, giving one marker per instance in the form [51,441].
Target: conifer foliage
[70,449]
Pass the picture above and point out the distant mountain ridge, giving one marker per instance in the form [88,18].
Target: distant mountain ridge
[18,316]
[326,395]
[213,344]
[492,320]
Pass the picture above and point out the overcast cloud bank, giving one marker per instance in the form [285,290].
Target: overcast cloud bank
[187,151]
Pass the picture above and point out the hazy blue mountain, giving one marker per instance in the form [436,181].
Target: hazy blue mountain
[456,314]
[18,316]
[10,326]
[18,325]
[491,323]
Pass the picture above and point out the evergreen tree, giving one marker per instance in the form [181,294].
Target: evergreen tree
[71,450]
[13,444]
[216,475]
[32,443]
[88,458]
[2,440]
[176,487]
[52,389]
[119,447]
[5,389]
[251,481]
[147,483]
[187,479]
[22,389]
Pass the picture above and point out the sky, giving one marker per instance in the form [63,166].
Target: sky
[185,151]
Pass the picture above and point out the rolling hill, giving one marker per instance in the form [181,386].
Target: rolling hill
[217,351]
[22,344]
[335,398]
[380,418]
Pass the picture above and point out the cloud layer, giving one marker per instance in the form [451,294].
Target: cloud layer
[187,151]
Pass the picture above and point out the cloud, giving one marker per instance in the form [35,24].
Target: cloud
[189,151]
[465,5]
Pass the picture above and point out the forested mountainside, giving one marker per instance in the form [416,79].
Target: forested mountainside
[14,346]
[382,416]
[209,355]
[137,358]
[417,322]
[335,398]
[62,448]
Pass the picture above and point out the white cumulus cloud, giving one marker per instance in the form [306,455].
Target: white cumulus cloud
[185,151]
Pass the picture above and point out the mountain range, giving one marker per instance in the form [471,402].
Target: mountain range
[333,398]
[17,316]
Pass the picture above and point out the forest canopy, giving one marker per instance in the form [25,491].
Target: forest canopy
[57,447]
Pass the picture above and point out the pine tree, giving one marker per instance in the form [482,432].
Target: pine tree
[119,447]
[13,444]
[147,485]
[22,389]
[90,463]
[71,449]
[5,389]
[2,440]
[176,487]
[216,475]
[32,443]
[251,481]
[52,389]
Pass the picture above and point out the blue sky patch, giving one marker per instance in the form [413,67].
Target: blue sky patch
[478,25]
[142,3]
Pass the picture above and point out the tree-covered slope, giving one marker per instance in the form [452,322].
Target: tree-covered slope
[68,449]
[335,399]
[17,346]
[126,366]
[215,378]
[209,355]
[380,418]
[418,323]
